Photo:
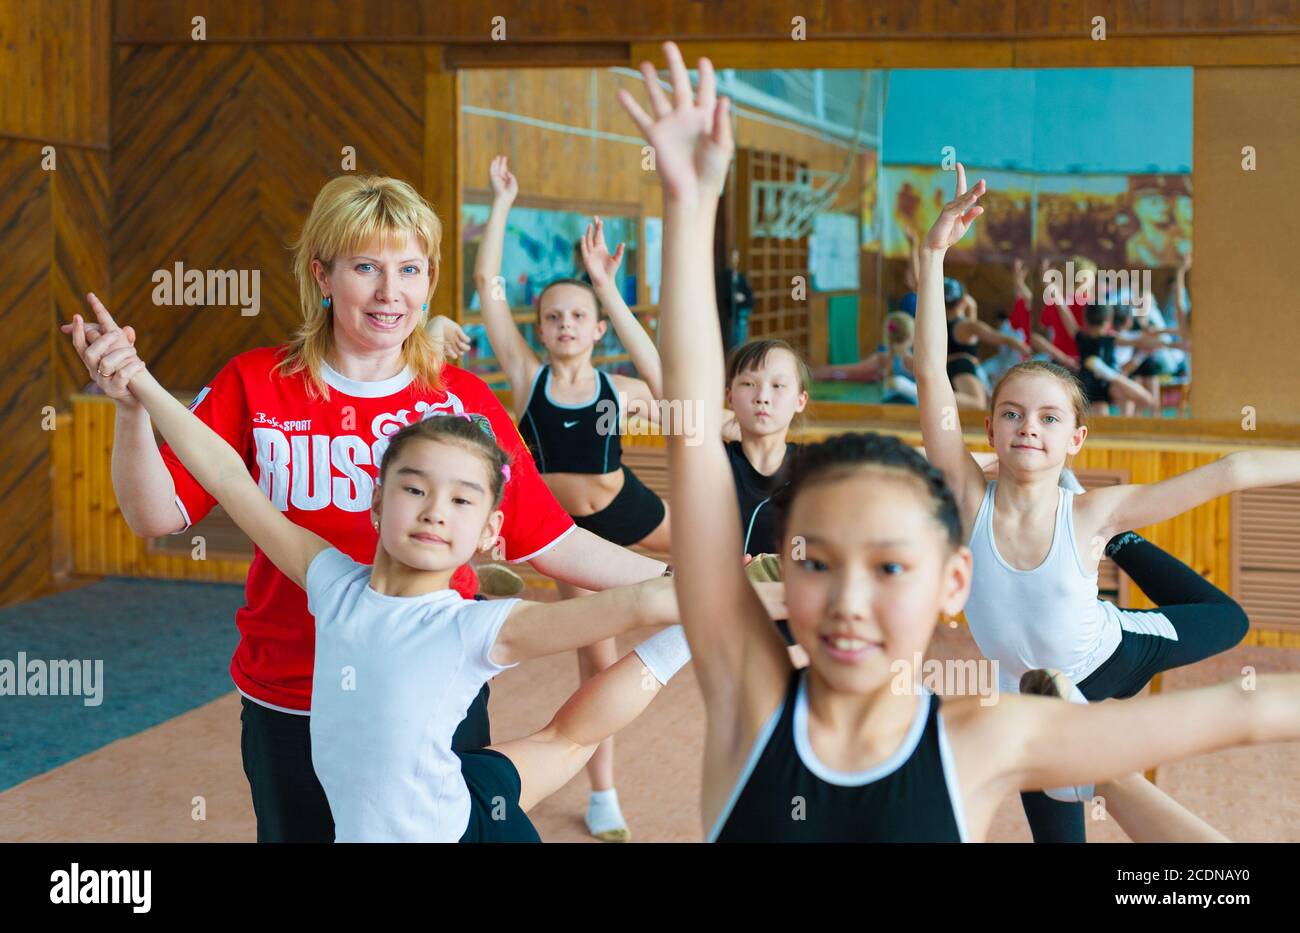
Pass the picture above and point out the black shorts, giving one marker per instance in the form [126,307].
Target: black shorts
[1149,367]
[632,515]
[962,366]
[494,814]
[1094,389]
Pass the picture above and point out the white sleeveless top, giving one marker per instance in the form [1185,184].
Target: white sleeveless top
[1046,617]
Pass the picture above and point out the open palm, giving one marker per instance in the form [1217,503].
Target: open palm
[691,134]
[957,215]
[601,266]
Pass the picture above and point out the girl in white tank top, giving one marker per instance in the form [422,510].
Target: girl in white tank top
[1050,616]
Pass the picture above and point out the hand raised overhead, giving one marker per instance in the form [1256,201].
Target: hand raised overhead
[957,215]
[505,186]
[690,135]
[601,266]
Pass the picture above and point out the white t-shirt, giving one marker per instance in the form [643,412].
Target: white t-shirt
[393,678]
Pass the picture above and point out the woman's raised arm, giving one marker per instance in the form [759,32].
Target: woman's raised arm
[142,483]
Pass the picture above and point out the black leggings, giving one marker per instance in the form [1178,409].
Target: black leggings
[1207,621]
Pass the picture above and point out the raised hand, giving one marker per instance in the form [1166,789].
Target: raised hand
[691,135]
[449,336]
[601,266]
[957,215]
[505,187]
[108,351]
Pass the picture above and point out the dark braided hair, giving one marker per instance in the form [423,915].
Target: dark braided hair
[866,448]
[473,432]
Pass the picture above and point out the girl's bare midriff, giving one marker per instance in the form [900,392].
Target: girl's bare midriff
[584,493]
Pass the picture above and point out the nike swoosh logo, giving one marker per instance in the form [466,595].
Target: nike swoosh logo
[569,424]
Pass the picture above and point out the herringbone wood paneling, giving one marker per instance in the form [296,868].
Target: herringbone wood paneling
[80,211]
[25,242]
[218,153]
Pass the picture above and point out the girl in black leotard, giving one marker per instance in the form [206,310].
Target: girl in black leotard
[571,415]
[965,331]
[767,389]
[854,748]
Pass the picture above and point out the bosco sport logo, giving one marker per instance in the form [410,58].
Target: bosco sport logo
[298,471]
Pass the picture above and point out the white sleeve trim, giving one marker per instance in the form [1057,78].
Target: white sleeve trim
[185,515]
[539,553]
[950,778]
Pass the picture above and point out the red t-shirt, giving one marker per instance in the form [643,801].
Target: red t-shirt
[1060,336]
[317,461]
[1019,319]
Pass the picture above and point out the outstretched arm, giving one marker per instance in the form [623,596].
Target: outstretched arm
[534,630]
[940,427]
[1040,343]
[723,617]
[589,561]
[1054,744]
[602,267]
[996,337]
[223,473]
[1113,509]
[517,359]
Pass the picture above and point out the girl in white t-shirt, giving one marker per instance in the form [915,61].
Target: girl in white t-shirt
[400,655]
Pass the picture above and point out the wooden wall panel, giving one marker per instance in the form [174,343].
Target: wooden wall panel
[538,21]
[572,169]
[26,238]
[218,153]
[81,221]
[1244,313]
[102,541]
[55,71]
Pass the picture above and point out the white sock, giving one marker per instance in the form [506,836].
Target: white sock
[603,813]
[665,653]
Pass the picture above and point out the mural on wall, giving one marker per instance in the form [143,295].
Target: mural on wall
[540,247]
[915,194]
[1140,221]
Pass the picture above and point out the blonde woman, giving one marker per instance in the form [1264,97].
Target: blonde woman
[312,419]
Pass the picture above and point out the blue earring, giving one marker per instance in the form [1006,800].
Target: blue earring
[424,307]
[326,302]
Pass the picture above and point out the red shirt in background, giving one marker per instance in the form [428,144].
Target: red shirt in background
[317,462]
[1060,336]
[1019,319]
